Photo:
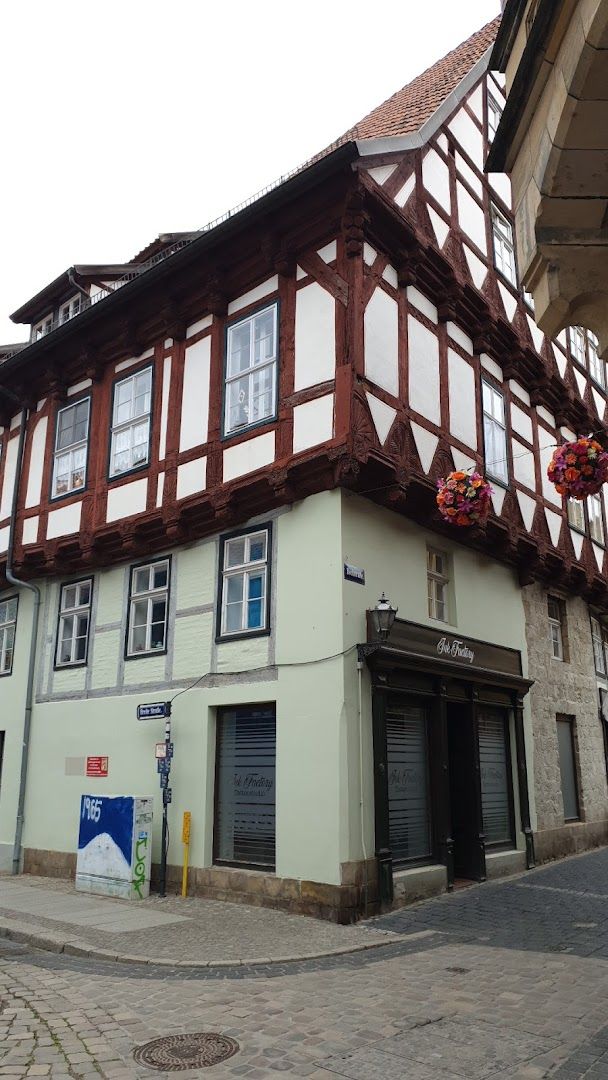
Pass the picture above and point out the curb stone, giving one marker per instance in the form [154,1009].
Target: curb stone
[50,942]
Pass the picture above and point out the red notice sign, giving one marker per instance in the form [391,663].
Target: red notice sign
[97,766]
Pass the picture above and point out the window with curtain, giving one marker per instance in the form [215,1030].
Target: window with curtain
[495,432]
[245,787]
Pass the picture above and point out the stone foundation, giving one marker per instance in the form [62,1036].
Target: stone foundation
[344,903]
[570,839]
[418,883]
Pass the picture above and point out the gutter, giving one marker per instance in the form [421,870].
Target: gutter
[29,693]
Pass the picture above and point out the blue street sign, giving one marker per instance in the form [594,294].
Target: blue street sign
[164,779]
[167,796]
[157,709]
[163,766]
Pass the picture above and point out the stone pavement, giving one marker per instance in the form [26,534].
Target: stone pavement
[507,979]
[190,932]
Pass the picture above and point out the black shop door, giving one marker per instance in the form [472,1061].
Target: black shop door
[465,794]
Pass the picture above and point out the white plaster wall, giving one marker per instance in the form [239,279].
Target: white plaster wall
[63,521]
[523,465]
[191,477]
[252,297]
[463,423]
[469,136]
[382,342]
[315,340]
[164,408]
[521,422]
[422,302]
[195,395]
[502,186]
[126,500]
[34,480]
[9,478]
[247,456]
[436,178]
[546,442]
[313,423]
[469,174]
[4,539]
[202,324]
[77,387]
[30,530]
[423,350]
[471,217]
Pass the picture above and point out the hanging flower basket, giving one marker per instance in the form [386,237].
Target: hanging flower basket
[579,469]
[463,498]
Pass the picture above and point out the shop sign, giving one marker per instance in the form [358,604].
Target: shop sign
[468,653]
[97,766]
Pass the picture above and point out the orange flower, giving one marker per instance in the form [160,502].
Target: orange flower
[588,470]
[571,459]
[572,475]
[476,483]
[451,512]
[459,476]
[462,519]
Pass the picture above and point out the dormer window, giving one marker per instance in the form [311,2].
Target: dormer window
[42,328]
[70,309]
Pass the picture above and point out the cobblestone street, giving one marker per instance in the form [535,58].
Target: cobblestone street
[504,979]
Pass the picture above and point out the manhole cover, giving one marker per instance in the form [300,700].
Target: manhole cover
[176,1053]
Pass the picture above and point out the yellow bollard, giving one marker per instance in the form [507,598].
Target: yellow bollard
[186,842]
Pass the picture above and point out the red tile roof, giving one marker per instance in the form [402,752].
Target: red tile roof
[408,109]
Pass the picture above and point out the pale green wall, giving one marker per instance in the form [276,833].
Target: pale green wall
[315,614]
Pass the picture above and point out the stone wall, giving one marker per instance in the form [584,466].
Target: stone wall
[568,688]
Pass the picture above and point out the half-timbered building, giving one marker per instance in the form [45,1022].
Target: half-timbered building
[216,458]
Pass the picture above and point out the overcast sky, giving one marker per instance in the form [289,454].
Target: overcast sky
[123,118]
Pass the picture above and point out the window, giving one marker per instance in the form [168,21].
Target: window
[148,602]
[576,337]
[74,618]
[598,637]
[69,310]
[409,819]
[131,423]
[556,628]
[437,581]
[565,742]
[244,832]
[251,370]
[495,433]
[576,514]
[244,583]
[42,328]
[596,522]
[597,367]
[8,625]
[529,300]
[494,115]
[504,246]
[495,771]
[70,462]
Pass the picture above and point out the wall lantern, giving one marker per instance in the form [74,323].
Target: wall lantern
[383,617]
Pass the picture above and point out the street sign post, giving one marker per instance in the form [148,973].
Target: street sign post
[156,710]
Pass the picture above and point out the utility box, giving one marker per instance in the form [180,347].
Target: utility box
[115,845]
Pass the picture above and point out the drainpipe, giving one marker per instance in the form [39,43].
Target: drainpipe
[29,693]
[74,283]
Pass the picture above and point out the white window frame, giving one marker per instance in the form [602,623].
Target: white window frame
[70,309]
[492,423]
[577,342]
[576,514]
[503,239]
[270,363]
[438,581]
[80,609]
[599,646]
[129,425]
[246,570]
[597,366]
[8,632]
[494,116]
[596,519]
[150,595]
[70,451]
[556,631]
[42,328]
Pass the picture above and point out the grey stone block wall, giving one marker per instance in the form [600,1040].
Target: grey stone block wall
[568,688]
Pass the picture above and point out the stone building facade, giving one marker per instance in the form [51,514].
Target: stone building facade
[565,688]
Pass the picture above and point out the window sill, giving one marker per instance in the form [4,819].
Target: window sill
[242,432]
[146,655]
[70,667]
[221,639]
[128,472]
[74,495]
